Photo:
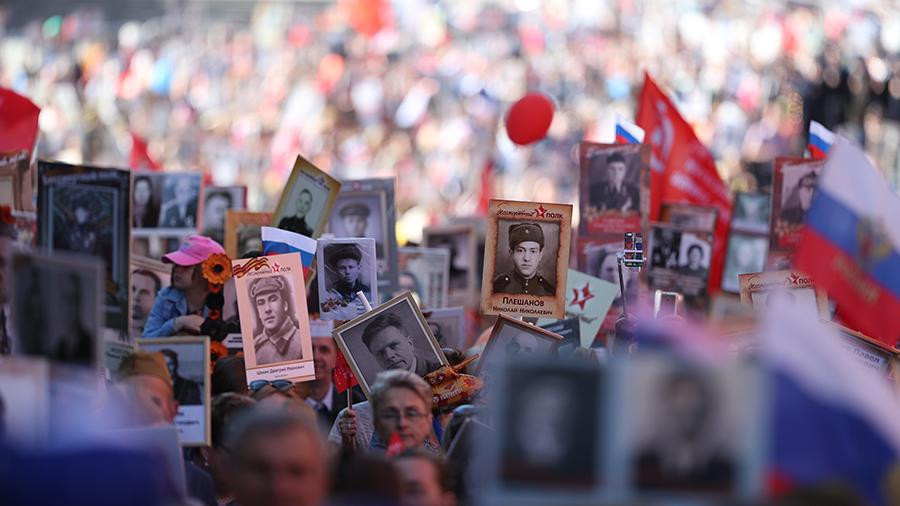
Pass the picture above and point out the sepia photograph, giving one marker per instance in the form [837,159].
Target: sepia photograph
[794,182]
[187,359]
[448,325]
[610,187]
[344,267]
[217,200]
[243,234]
[148,277]
[460,241]
[307,200]
[760,290]
[746,254]
[395,335]
[424,272]
[751,212]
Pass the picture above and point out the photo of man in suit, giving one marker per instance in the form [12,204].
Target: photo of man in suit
[389,342]
[181,211]
[187,392]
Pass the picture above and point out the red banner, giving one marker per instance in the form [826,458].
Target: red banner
[18,122]
[139,158]
[343,375]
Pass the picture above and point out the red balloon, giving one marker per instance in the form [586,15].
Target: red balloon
[529,119]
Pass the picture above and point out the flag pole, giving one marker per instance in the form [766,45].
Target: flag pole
[362,298]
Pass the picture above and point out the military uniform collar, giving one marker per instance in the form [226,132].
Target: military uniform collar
[282,338]
[523,280]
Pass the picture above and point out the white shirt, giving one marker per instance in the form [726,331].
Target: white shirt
[327,401]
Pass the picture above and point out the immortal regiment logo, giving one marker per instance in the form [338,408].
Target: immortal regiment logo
[580,297]
[792,280]
[253,265]
[539,212]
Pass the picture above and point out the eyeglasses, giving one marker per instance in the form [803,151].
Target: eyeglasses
[279,384]
[395,416]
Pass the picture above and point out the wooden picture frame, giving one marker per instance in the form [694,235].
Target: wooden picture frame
[552,339]
[234,221]
[443,237]
[321,186]
[760,282]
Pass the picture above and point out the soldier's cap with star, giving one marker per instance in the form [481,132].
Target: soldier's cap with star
[266,285]
[355,209]
[521,232]
[334,253]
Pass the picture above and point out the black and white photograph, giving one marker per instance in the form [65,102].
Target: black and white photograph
[525,262]
[513,339]
[460,241]
[448,325]
[344,267]
[180,195]
[751,212]
[679,262]
[217,200]
[570,332]
[601,262]
[57,308]
[746,253]
[307,200]
[148,277]
[243,232]
[610,187]
[187,359]
[798,188]
[425,273]
[666,250]
[694,255]
[366,208]
[84,210]
[393,336]
[146,196]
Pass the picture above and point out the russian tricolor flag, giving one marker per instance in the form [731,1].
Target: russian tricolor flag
[277,242]
[851,243]
[628,133]
[820,140]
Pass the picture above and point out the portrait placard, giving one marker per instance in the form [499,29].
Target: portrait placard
[366,208]
[570,331]
[307,200]
[394,335]
[679,262]
[165,203]
[610,189]
[461,241]
[597,257]
[448,326]
[243,233]
[588,300]
[689,216]
[344,267]
[148,277]
[217,200]
[25,229]
[86,210]
[868,352]
[188,361]
[794,183]
[271,299]
[746,253]
[514,340]
[15,180]
[761,289]
[425,272]
[751,212]
[526,258]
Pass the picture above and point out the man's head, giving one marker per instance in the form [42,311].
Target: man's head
[184,190]
[423,480]
[695,256]
[387,340]
[616,169]
[276,457]
[324,356]
[521,343]
[143,190]
[401,404]
[355,217]
[145,379]
[144,287]
[806,188]
[304,202]
[217,202]
[345,260]
[526,246]
[249,239]
[271,298]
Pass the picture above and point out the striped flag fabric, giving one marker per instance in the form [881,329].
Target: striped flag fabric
[820,140]
[277,242]
[627,132]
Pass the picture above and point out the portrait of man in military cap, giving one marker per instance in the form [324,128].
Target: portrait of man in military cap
[345,267]
[345,262]
[276,337]
[526,250]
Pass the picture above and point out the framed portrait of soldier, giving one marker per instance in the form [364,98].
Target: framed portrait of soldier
[395,335]
[187,359]
[217,200]
[513,340]
[271,298]
[307,200]
[366,208]
[448,326]
[746,253]
[165,203]
[610,188]
[425,273]
[345,267]
[794,182]
[243,234]
[679,262]
[760,290]
[751,212]
[461,242]
[526,259]
[689,216]
[85,210]
[148,277]
[57,308]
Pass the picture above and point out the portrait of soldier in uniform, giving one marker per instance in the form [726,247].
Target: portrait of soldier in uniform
[614,193]
[345,261]
[526,248]
[297,222]
[277,336]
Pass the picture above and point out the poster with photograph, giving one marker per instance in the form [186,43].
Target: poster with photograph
[689,216]
[425,272]
[15,180]
[187,359]
[448,326]
[25,395]
[597,257]
[751,212]
[24,230]
[746,253]
[271,299]
[148,277]
[761,289]
[217,200]
[526,258]
[794,183]
[514,340]
[461,241]
[679,262]
[57,308]
[165,203]
[307,200]
[610,189]
[344,267]
[588,300]
[243,232]
[394,335]
[868,352]
[85,210]
[366,208]
[570,332]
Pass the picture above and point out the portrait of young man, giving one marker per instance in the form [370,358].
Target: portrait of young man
[181,205]
[391,344]
[610,191]
[145,284]
[526,249]
[187,392]
[277,338]
[345,262]
[215,203]
[297,222]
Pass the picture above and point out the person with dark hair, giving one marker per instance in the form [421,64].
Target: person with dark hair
[355,218]
[229,375]
[694,265]
[224,409]
[145,209]
[182,211]
[390,344]
[144,287]
[297,222]
[215,204]
[424,480]
[82,236]
[277,336]
[345,260]
[614,193]
[249,240]
[526,248]
[800,199]
[187,392]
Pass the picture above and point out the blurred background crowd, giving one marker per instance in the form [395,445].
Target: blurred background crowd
[417,88]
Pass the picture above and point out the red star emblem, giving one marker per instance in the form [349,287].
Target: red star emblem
[581,296]
[794,279]
[541,211]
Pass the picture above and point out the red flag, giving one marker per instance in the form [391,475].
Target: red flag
[140,159]
[343,375]
[682,170]
[394,446]
[18,122]
[485,195]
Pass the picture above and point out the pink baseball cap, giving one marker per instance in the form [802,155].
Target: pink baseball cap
[195,250]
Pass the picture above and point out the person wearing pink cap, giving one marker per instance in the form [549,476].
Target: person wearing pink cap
[180,308]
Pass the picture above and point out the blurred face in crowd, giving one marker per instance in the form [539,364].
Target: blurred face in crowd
[304,202]
[324,356]
[393,349]
[526,257]
[142,192]
[687,408]
[152,399]
[183,277]
[348,270]
[420,483]
[214,214]
[286,467]
[143,295]
[616,173]
[355,225]
[272,310]
[402,411]
[541,431]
